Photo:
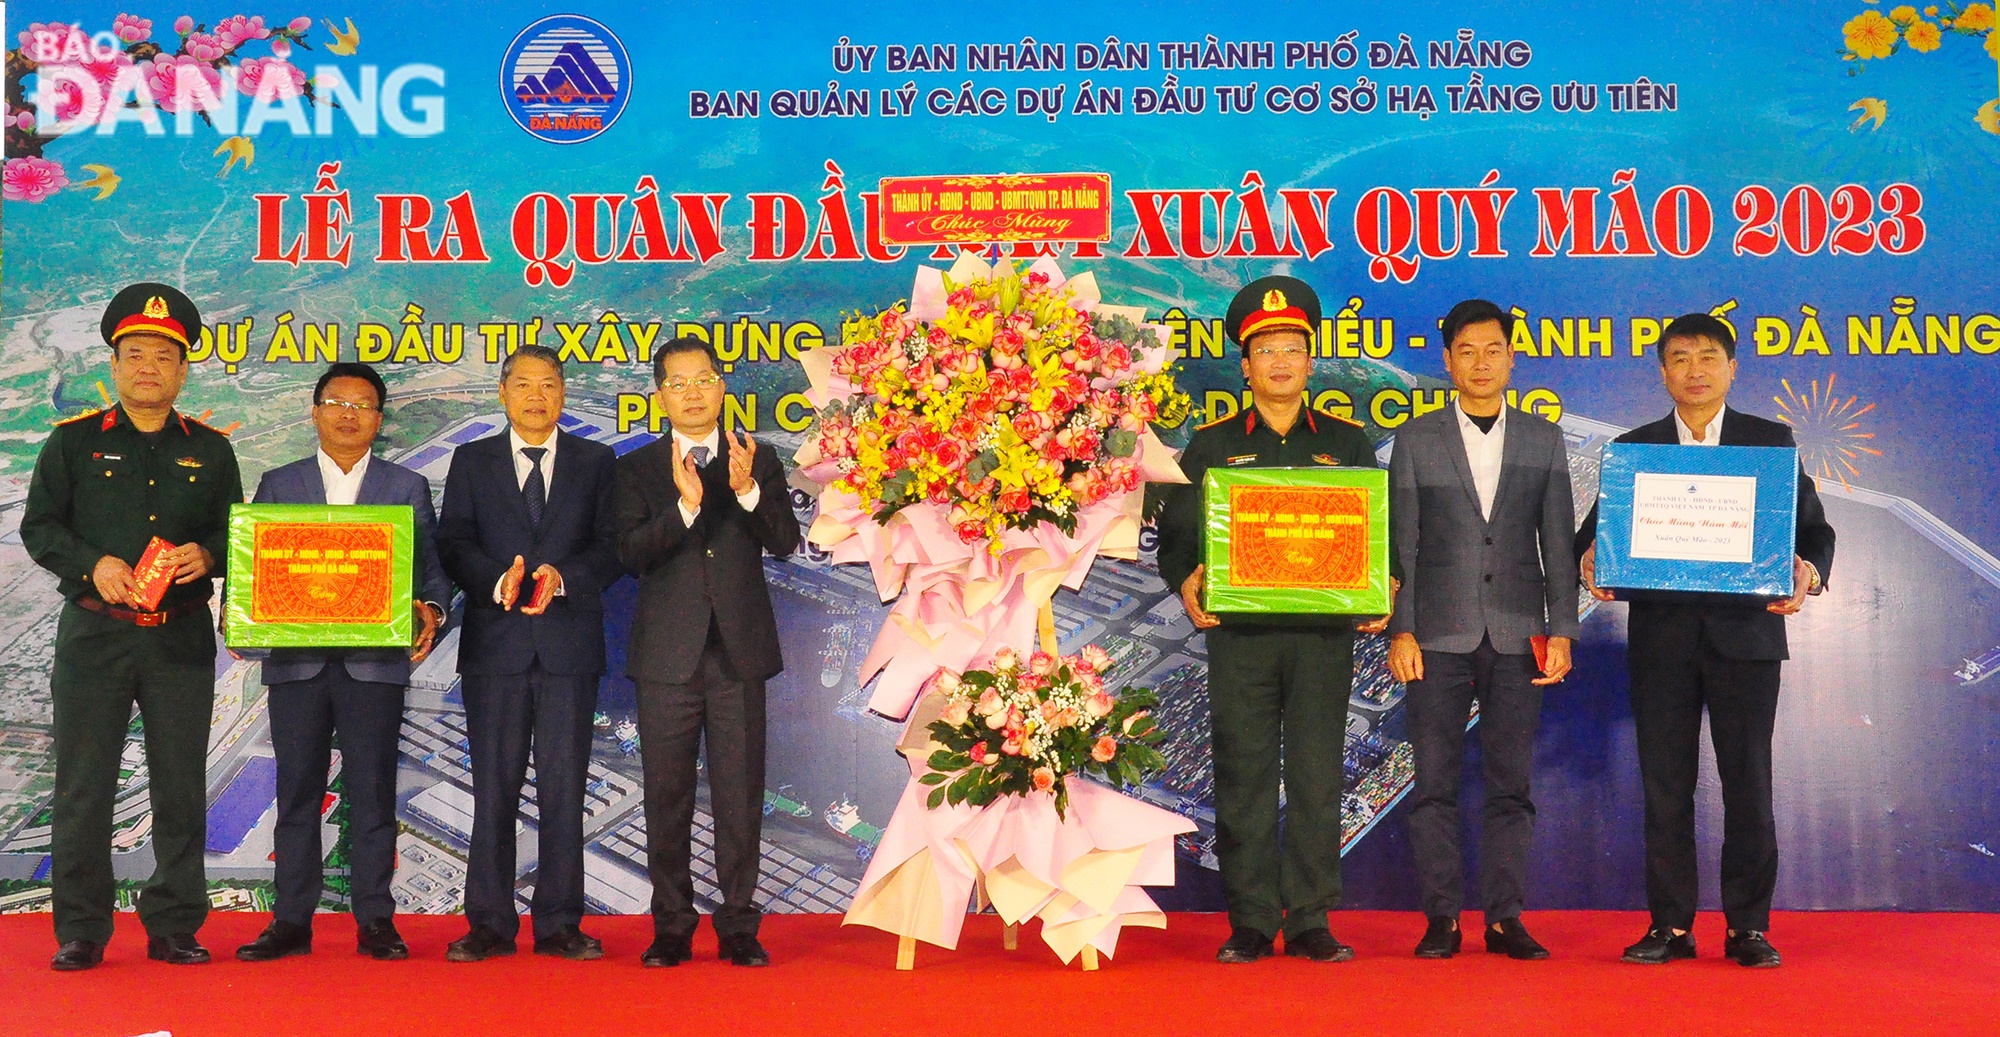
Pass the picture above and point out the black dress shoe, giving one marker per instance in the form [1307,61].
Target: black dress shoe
[1750,949]
[1512,939]
[1660,946]
[1442,939]
[743,950]
[179,949]
[1243,947]
[570,942]
[77,955]
[1317,945]
[478,945]
[380,941]
[276,941]
[667,952]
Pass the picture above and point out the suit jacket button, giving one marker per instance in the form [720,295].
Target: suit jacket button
[1489,541]
[1488,577]
[711,552]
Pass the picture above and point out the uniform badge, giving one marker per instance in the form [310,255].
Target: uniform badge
[1326,459]
[108,457]
[187,462]
[1240,459]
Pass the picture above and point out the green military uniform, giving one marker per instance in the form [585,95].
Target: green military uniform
[1278,685]
[102,487]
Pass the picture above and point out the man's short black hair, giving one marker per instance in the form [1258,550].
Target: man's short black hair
[1475,311]
[542,353]
[681,344]
[348,369]
[1698,325]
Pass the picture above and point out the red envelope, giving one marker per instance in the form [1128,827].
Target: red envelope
[1540,643]
[545,592]
[153,575]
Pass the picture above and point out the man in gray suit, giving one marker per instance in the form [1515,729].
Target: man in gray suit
[1480,515]
[354,693]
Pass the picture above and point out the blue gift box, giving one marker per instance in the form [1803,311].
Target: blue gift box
[1679,521]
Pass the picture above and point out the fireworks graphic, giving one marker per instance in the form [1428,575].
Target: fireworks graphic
[1828,429]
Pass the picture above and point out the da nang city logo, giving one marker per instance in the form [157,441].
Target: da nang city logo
[566,79]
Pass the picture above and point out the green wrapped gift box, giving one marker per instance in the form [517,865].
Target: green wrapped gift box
[319,576]
[1296,540]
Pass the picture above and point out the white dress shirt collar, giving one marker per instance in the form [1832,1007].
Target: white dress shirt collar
[1484,451]
[522,466]
[713,441]
[1710,436]
[341,487]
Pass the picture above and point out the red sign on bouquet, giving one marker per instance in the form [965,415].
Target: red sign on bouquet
[944,210]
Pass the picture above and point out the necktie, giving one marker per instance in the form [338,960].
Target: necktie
[700,455]
[535,491]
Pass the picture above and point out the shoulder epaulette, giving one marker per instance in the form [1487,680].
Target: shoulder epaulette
[1218,421]
[1336,417]
[80,417]
[200,424]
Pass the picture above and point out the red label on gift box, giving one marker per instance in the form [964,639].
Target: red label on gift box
[1299,536]
[939,210]
[153,575]
[321,572]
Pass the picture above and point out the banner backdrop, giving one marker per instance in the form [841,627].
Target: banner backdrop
[428,186]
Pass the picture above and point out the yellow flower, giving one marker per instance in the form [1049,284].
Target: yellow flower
[1930,12]
[1975,18]
[1922,37]
[1993,45]
[1869,35]
[1903,15]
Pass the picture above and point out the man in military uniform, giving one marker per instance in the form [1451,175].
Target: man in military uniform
[105,485]
[1278,684]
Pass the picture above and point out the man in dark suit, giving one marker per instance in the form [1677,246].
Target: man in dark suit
[697,510]
[1686,653]
[1481,514]
[532,500]
[354,693]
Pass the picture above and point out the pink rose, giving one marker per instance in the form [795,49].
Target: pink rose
[996,719]
[990,702]
[947,682]
[1045,779]
[1098,705]
[1041,664]
[177,83]
[300,24]
[131,28]
[1133,720]
[1006,658]
[957,713]
[31,178]
[1104,750]
[980,753]
[1011,747]
[1097,659]
[184,24]
[270,78]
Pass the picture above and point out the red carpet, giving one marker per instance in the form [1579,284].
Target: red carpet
[1844,973]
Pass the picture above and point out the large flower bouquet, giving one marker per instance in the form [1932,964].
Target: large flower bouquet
[1015,729]
[1016,407]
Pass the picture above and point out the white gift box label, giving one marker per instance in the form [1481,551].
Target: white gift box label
[1694,518]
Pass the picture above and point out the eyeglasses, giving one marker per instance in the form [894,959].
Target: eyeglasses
[1284,351]
[357,406]
[702,383]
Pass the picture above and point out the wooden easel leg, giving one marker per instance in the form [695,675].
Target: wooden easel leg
[906,953]
[1010,937]
[1089,958]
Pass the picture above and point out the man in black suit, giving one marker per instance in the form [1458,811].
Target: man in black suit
[697,509]
[355,694]
[1687,652]
[532,500]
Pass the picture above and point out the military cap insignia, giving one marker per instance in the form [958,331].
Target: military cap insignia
[156,307]
[1274,300]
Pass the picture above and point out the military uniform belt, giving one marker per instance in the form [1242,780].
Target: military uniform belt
[137,618]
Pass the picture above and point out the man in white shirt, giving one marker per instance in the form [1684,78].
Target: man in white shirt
[355,694]
[697,511]
[1480,517]
[531,500]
